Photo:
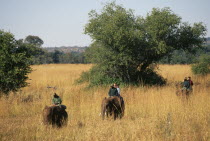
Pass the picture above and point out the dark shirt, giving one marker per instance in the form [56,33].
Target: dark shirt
[186,84]
[113,91]
[191,82]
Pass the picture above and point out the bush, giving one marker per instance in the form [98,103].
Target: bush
[203,65]
[96,77]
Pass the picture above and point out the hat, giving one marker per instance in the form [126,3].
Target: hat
[55,95]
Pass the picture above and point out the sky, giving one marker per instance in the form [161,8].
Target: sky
[61,22]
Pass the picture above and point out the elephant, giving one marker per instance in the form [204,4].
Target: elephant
[55,115]
[113,106]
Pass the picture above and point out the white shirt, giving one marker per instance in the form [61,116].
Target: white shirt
[118,89]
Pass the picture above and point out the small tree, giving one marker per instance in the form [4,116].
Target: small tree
[203,65]
[126,46]
[14,64]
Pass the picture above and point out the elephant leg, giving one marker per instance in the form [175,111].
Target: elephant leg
[58,121]
[103,112]
[122,107]
[107,113]
[54,120]
[115,116]
[62,119]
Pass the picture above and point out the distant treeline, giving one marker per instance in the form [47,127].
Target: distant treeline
[76,55]
[184,57]
[59,57]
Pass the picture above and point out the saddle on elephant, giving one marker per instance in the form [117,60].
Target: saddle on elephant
[60,106]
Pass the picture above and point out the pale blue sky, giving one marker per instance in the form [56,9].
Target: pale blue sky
[61,22]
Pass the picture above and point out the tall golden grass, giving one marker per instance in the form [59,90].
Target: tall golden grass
[151,114]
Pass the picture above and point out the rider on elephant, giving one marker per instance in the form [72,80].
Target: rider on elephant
[118,90]
[191,83]
[186,85]
[57,101]
[113,91]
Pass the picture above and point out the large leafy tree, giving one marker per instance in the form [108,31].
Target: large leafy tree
[125,46]
[14,63]
[33,47]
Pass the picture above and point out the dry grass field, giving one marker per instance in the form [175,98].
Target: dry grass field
[151,114]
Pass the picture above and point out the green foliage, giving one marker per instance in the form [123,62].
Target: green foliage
[33,47]
[186,57]
[34,40]
[98,79]
[56,56]
[64,58]
[124,45]
[203,65]
[14,64]
[41,56]
[181,57]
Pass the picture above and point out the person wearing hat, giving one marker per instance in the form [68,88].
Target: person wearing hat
[56,100]
[113,91]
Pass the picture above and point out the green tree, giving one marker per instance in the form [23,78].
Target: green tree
[202,67]
[35,40]
[179,57]
[33,46]
[14,64]
[125,46]
[56,56]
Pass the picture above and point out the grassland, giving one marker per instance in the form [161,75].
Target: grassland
[151,114]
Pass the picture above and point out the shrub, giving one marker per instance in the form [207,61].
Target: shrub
[203,65]
[14,64]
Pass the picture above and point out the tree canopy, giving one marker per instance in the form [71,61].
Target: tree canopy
[35,40]
[14,64]
[126,46]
